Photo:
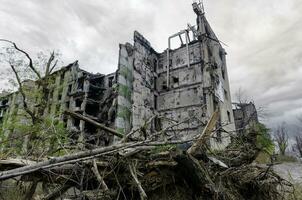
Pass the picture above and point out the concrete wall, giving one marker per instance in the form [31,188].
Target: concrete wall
[216,78]
[145,61]
[194,91]
[136,82]
[185,97]
[123,121]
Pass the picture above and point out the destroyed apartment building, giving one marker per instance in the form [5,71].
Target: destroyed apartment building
[190,81]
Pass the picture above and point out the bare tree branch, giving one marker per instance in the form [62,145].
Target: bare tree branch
[57,192]
[50,60]
[98,175]
[32,115]
[53,67]
[281,138]
[298,144]
[142,192]
[30,64]
[33,186]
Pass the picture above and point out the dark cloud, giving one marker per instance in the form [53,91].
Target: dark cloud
[263,37]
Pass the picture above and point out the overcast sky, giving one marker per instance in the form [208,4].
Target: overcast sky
[264,38]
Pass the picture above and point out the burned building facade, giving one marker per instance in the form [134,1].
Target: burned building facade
[185,84]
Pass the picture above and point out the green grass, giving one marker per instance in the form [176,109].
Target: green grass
[263,158]
[14,190]
[296,193]
[285,158]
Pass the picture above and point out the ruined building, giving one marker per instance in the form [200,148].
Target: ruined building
[70,88]
[245,116]
[186,84]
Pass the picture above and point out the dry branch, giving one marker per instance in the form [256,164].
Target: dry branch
[142,192]
[50,60]
[57,192]
[32,115]
[30,64]
[30,193]
[98,175]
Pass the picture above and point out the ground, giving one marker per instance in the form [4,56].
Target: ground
[290,171]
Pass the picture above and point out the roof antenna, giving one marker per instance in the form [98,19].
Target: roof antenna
[198,7]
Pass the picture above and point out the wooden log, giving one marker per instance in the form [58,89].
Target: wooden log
[207,131]
[93,122]
[80,156]
[63,159]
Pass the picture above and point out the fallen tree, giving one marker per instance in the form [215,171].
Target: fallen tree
[148,169]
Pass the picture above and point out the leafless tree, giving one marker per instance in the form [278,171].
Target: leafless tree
[298,144]
[24,67]
[30,76]
[241,96]
[281,137]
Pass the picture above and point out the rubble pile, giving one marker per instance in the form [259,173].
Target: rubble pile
[145,169]
[168,172]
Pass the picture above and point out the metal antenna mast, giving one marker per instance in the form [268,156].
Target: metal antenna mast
[198,6]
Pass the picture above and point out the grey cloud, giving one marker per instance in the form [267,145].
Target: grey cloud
[268,62]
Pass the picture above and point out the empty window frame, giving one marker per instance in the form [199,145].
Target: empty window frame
[226,96]
[110,81]
[229,116]
[78,103]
